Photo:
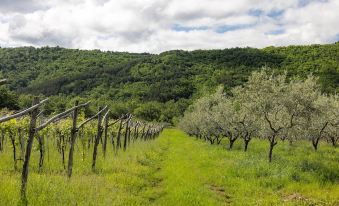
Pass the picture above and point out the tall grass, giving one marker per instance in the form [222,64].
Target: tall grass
[179,170]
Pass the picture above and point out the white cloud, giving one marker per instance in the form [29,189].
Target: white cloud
[148,25]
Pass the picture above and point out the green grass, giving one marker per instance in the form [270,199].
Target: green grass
[179,170]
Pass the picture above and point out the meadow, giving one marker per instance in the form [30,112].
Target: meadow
[176,169]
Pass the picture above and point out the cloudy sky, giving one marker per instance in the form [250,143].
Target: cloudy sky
[159,25]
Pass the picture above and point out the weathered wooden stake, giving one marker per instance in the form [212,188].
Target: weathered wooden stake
[143,132]
[12,137]
[42,152]
[126,132]
[97,139]
[119,136]
[73,137]
[24,178]
[104,145]
[136,132]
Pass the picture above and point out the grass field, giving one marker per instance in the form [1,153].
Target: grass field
[178,170]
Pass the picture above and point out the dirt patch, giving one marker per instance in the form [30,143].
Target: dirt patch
[294,196]
[301,199]
[220,191]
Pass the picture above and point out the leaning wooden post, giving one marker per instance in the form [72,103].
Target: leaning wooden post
[73,137]
[129,135]
[97,139]
[119,135]
[147,132]
[104,145]
[136,132]
[24,177]
[143,132]
[126,132]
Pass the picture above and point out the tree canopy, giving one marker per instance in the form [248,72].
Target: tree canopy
[172,80]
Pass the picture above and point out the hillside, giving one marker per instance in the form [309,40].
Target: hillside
[155,87]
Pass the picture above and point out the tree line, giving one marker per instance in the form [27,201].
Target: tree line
[170,81]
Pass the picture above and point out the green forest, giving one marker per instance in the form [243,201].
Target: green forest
[152,87]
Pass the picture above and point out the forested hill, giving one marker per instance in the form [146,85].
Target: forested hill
[154,86]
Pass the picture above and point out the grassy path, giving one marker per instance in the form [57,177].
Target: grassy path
[176,170]
[196,173]
[184,173]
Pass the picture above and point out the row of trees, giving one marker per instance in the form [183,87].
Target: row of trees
[268,106]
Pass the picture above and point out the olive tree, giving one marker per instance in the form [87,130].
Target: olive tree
[200,120]
[227,121]
[264,93]
[268,106]
[299,100]
[332,130]
[248,124]
[322,121]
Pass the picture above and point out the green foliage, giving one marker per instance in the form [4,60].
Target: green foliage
[149,111]
[269,106]
[8,99]
[135,79]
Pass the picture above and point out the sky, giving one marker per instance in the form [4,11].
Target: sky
[155,26]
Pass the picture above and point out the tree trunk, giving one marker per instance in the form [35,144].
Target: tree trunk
[232,140]
[41,151]
[210,139]
[63,148]
[30,140]
[315,142]
[12,137]
[219,140]
[246,141]
[333,141]
[73,138]
[270,153]
[97,139]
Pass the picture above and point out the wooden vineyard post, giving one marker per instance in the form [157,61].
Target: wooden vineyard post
[97,139]
[42,151]
[73,137]
[34,114]
[147,132]
[143,132]
[129,136]
[104,145]
[136,132]
[119,136]
[126,132]
[12,137]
